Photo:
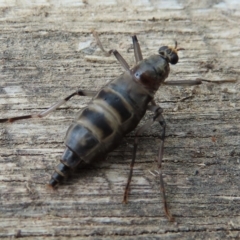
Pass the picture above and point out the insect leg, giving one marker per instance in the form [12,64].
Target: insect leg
[117,55]
[52,108]
[184,82]
[197,81]
[217,81]
[121,60]
[157,117]
[139,131]
[137,49]
[159,159]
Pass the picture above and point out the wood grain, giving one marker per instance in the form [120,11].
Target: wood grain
[47,52]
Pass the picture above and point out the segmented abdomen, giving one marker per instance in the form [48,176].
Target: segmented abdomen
[100,127]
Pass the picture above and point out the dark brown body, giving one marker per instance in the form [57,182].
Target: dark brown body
[115,111]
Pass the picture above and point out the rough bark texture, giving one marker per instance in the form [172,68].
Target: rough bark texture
[47,52]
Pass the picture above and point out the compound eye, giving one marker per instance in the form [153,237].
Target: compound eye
[173,58]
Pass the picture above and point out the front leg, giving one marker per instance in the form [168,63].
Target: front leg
[197,81]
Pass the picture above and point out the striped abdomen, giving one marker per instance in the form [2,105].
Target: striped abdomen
[100,127]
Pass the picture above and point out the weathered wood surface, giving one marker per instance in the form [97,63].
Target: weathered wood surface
[43,60]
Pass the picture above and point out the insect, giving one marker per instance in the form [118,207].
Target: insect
[116,110]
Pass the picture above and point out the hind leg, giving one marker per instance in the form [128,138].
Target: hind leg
[159,118]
